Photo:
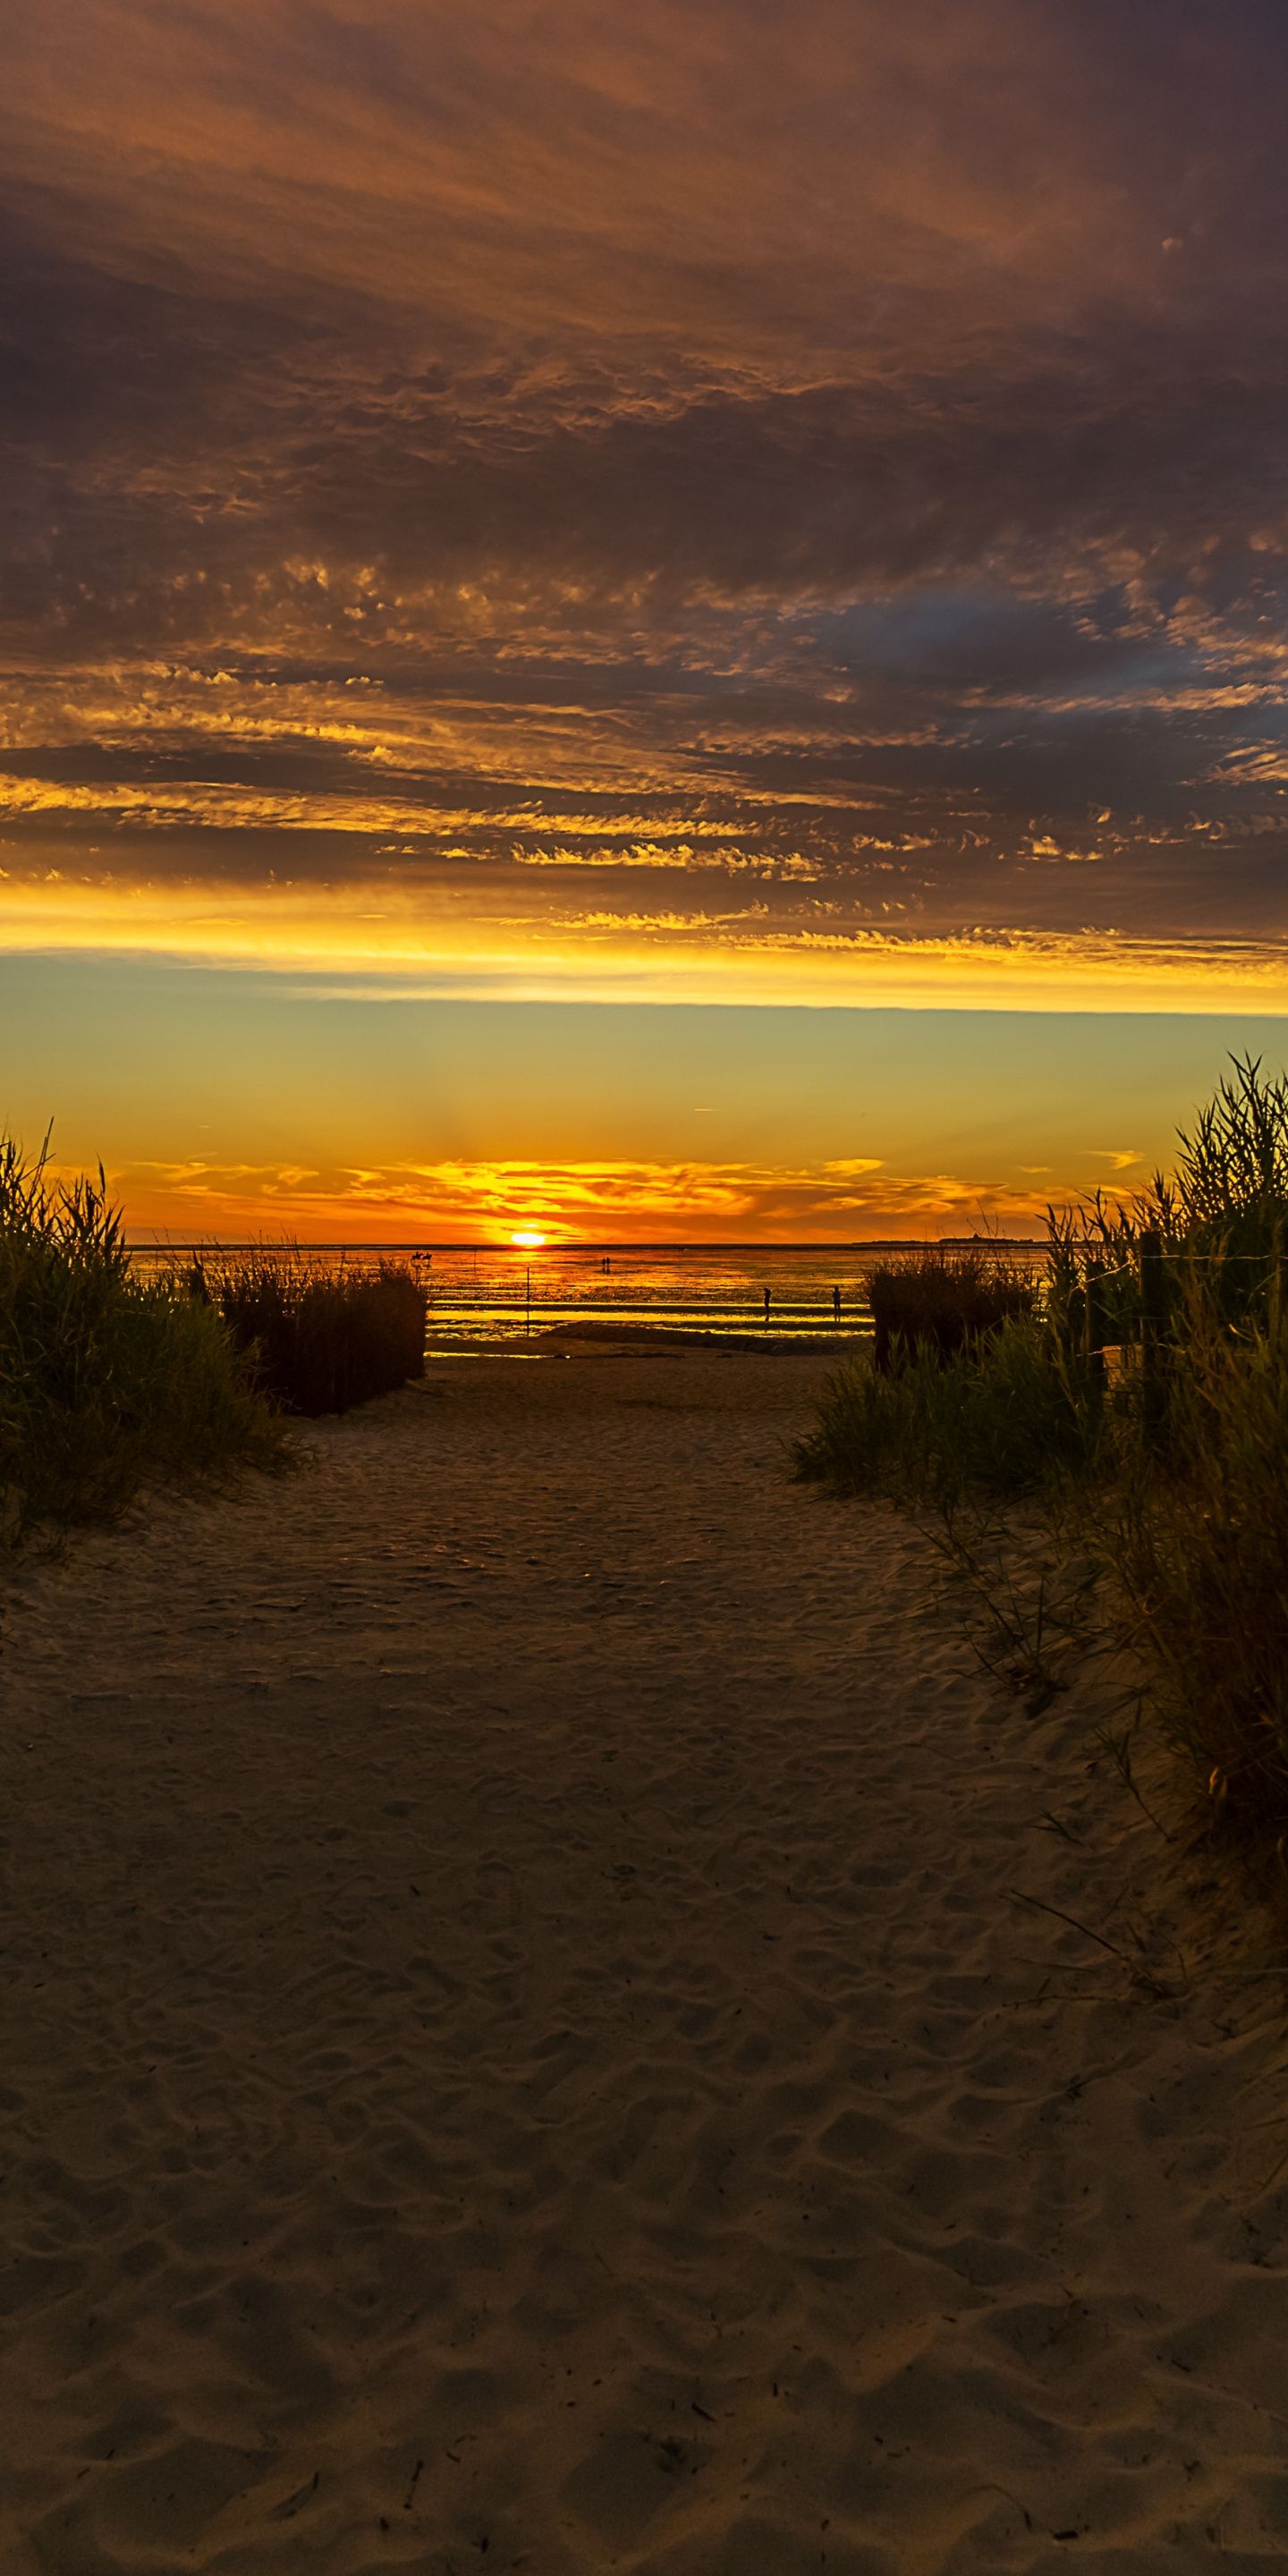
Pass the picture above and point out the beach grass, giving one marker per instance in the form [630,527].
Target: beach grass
[1143,1400]
[107,1380]
[942,1301]
[320,1340]
[1195,1535]
[1002,1415]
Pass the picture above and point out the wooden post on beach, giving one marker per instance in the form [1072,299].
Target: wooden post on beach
[527,1326]
[1075,1321]
[836,1308]
[1153,1329]
[1096,1324]
[766,1310]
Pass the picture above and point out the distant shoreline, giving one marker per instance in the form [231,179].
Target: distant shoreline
[599,1244]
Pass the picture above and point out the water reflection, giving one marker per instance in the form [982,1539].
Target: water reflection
[491,1292]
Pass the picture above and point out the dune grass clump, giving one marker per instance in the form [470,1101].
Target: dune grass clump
[321,1341]
[957,1393]
[107,1380]
[994,1418]
[1197,1540]
[943,1302]
[1144,1399]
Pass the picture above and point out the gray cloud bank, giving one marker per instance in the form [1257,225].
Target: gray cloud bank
[863,441]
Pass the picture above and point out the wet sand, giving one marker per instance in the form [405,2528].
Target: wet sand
[521,2051]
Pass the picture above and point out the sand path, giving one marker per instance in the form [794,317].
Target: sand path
[517,2053]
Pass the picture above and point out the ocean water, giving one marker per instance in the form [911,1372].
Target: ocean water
[481,1293]
[490,1293]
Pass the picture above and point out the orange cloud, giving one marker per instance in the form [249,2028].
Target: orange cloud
[616,1201]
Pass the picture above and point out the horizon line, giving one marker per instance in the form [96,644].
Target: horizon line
[580,1243]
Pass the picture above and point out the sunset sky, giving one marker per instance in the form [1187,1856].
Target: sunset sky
[663,620]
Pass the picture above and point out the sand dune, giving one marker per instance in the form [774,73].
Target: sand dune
[518,2052]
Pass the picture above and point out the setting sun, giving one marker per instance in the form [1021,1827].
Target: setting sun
[526,1241]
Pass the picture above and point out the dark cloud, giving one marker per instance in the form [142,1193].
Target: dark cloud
[864,439]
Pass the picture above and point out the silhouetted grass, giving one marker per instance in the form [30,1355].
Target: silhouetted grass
[1197,1540]
[321,1341]
[1169,1458]
[1001,1416]
[944,1302]
[106,1380]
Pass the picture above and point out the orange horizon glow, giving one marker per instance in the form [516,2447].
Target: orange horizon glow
[629,1203]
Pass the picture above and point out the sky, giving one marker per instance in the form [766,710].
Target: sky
[667,620]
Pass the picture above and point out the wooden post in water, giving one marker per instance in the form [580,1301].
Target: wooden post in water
[836,1308]
[1153,1329]
[528,1313]
[766,1310]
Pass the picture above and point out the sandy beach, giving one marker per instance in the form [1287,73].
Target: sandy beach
[523,2049]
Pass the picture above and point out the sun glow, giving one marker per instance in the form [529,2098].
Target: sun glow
[526,1241]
